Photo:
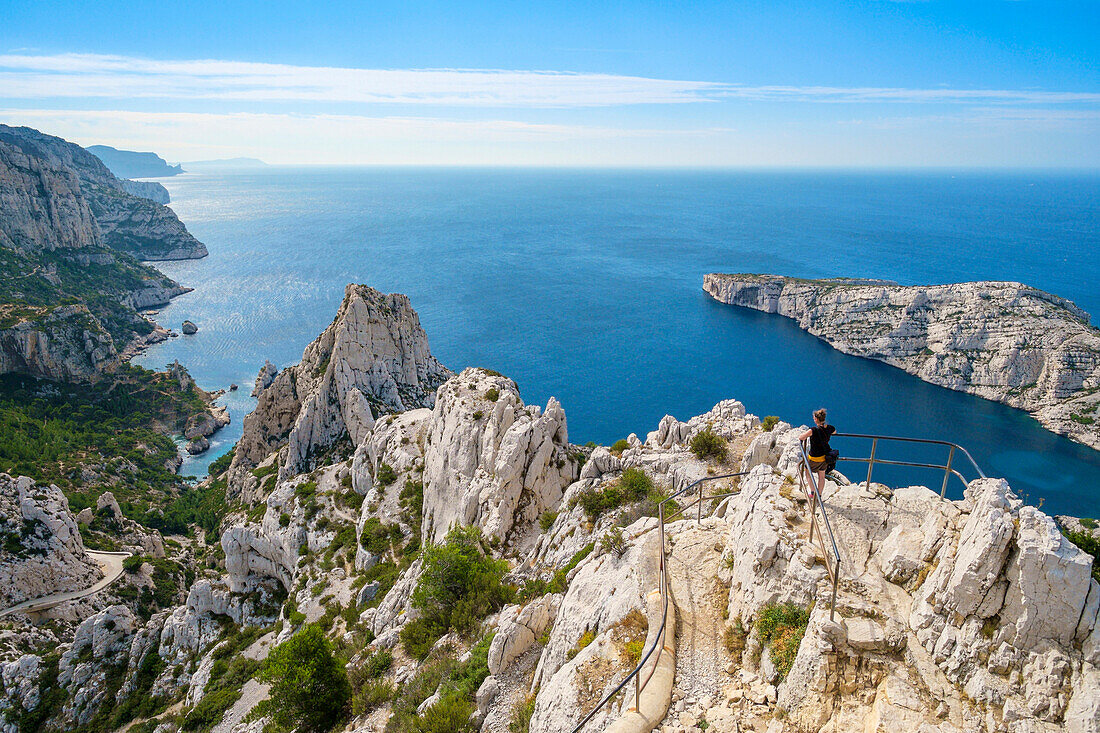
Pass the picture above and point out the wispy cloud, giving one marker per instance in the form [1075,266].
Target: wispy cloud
[90,76]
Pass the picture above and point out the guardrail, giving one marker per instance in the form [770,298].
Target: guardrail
[816,503]
[832,560]
[946,467]
[658,644]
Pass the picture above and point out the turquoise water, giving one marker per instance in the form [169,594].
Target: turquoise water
[586,285]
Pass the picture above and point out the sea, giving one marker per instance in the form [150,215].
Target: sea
[586,285]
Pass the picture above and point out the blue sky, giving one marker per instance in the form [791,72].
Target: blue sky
[503,83]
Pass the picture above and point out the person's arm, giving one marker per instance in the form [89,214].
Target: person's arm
[806,435]
[831,429]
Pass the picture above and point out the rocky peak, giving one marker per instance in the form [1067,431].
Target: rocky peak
[372,359]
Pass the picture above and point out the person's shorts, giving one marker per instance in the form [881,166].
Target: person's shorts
[816,465]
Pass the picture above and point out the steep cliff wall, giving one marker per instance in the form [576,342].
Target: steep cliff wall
[134,224]
[1003,341]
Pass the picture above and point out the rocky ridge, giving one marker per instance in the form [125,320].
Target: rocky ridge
[371,360]
[972,616]
[1003,341]
[127,223]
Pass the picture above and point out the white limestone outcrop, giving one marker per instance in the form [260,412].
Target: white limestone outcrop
[41,551]
[492,461]
[372,359]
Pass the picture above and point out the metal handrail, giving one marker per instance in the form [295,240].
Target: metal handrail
[946,468]
[816,502]
[662,585]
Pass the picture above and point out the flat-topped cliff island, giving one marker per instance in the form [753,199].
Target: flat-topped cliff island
[1003,341]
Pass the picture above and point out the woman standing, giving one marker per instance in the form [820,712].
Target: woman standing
[819,448]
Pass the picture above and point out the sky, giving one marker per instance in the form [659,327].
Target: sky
[928,83]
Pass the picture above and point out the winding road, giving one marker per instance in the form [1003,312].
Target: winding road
[109,562]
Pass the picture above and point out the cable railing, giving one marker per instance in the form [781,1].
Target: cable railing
[816,505]
[947,468]
[658,644]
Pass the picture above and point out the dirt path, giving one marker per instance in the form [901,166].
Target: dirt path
[109,562]
[701,656]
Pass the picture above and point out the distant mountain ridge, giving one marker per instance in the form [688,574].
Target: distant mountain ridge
[131,164]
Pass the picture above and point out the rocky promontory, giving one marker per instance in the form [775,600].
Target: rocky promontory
[134,224]
[1003,341]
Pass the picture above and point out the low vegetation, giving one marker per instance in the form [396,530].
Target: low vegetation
[633,485]
[707,444]
[459,586]
[769,423]
[781,627]
[310,691]
[1088,543]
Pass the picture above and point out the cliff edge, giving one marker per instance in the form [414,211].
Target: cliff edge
[1003,341]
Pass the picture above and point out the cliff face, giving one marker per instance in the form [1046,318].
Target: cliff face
[68,301]
[1003,341]
[133,224]
[146,189]
[41,552]
[372,359]
[130,164]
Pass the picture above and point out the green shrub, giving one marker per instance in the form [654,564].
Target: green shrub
[221,463]
[376,537]
[309,686]
[306,490]
[284,519]
[457,690]
[613,542]
[1088,544]
[133,563]
[210,710]
[770,421]
[619,446]
[546,520]
[493,394]
[521,715]
[371,695]
[707,444]
[781,627]
[386,474]
[414,692]
[632,486]
[459,586]
[1088,523]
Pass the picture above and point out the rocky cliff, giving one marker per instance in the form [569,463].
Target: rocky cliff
[146,189]
[68,302]
[131,164]
[373,359]
[133,224]
[1002,341]
[40,547]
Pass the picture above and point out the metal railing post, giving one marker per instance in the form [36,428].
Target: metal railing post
[947,472]
[871,461]
[699,512]
[836,579]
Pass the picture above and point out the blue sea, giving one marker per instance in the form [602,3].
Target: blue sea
[586,285]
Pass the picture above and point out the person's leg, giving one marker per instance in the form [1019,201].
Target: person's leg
[821,482]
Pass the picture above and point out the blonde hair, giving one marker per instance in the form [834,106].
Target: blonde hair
[819,415]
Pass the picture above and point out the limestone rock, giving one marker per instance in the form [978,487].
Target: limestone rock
[50,558]
[189,328]
[267,375]
[1003,341]
[518,628]
[372,359]
[490,460]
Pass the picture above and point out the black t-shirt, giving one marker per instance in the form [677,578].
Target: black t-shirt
[819,440]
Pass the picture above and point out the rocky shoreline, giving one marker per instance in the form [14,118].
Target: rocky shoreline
[1003,341]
